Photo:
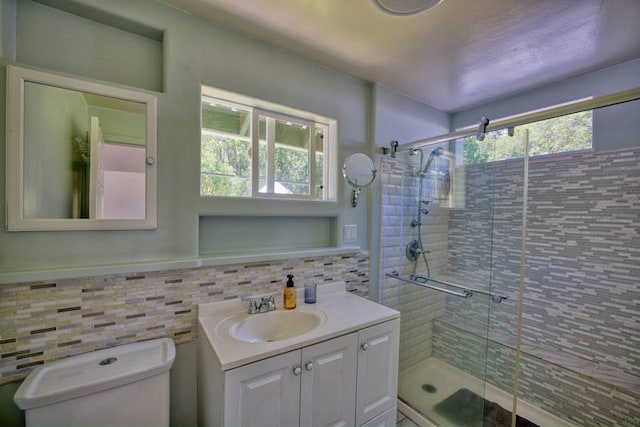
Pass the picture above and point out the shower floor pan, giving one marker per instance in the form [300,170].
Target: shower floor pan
[416,388]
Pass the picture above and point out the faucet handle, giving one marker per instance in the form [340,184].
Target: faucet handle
[268,303]
[253,305]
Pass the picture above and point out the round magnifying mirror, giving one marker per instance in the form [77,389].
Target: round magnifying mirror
[359,171]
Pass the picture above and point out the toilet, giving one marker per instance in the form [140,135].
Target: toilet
[119,386]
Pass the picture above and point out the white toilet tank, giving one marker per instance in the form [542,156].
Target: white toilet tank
[119,386]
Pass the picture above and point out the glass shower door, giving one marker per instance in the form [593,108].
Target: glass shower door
[580,352]
[440,215]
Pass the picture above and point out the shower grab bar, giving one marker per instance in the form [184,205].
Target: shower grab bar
[466,291]
[464,294]
[495,297]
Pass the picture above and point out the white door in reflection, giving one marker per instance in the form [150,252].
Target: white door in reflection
[118,180]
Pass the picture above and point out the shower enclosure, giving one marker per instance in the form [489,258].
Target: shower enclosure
[517,274]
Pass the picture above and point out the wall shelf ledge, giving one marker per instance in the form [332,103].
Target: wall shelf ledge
[164,265]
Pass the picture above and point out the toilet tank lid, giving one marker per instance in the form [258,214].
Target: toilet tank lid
[95,371]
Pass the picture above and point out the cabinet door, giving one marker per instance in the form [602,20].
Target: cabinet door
[328,392]
[264,393]
[377,370]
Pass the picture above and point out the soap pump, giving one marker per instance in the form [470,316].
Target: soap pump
[290,294]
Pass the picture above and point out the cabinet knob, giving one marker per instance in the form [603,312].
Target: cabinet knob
[297,370]
[364,346]
[308,366]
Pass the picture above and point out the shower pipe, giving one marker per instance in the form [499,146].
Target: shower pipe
[521,119]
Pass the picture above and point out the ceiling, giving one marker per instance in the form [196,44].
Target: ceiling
[460,54]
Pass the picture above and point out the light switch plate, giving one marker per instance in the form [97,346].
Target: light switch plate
[350,234]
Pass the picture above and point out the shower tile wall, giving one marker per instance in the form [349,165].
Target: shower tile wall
[563,392]
[581,315]
[485,245]
[419,306]
[44,321]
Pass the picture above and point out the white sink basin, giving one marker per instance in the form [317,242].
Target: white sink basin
[275,325]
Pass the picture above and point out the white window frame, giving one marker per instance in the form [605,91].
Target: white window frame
[274,112]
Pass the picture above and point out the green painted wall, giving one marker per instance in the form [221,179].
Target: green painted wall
[53,118]
[120,126]
[183,52]
[194,52]
[50,38]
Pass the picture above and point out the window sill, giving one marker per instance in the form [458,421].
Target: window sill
[274,256]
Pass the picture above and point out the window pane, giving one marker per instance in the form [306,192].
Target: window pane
[566,133]
[262,155]
[289,148]
[291,158]
[224,154]
[319,190]
[226,119]
[225,166]
[288,172]
[571,132]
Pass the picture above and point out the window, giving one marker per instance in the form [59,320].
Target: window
[572,132]
[250,148]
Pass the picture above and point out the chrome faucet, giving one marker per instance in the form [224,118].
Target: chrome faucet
[267,303]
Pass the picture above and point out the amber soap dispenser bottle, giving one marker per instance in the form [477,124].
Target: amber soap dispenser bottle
[290,294]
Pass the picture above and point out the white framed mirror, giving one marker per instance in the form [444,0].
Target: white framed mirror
[81,155]
[359,171]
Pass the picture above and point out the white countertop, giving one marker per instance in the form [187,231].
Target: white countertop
[344,313]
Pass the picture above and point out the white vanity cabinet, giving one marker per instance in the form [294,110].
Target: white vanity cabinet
[377,370]
[388,418]
[314,386]
[328,383]
[349,380]
[264,393]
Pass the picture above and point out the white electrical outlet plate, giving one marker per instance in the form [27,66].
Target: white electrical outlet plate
[350,234]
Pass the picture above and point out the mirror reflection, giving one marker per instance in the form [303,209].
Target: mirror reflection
[84,155]
[80,154]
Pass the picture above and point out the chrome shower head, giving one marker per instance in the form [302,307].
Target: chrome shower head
[436,152]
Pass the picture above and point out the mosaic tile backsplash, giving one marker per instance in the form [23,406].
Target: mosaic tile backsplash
[45,321]
[581,314]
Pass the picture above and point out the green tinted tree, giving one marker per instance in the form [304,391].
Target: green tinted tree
[561,134]
[224,168]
